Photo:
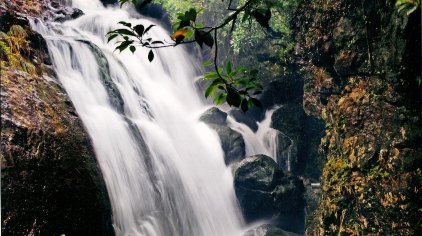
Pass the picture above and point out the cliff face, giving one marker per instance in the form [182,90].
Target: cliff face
[363,66]
[51,183]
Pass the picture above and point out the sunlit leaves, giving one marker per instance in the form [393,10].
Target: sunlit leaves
[237,86]
[179,35]
[186,27]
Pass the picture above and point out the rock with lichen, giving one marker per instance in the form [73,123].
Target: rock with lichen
[362,60]
[51,183]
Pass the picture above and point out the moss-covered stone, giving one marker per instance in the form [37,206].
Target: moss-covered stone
[361,79]
[51,183]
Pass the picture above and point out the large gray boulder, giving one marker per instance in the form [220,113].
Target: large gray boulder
[265,192]
[232,141]
[214,116]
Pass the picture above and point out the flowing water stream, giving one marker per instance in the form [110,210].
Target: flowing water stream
[265,140]
[164,170]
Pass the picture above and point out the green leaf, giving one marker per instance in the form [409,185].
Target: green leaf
[183,24]
[150,56]
[202,37]
[198,37]
[208,40]
[123,45]
[124,32]
[207,63]
[190,15]
[219,99]
[228,67]
[256,102]
[132,48]
[176,26]
[233,97]
[157,42]
[212,87]
[211,75]
[139,29]
[233,73]
[189,34]
[148,28]
[111,37]
[125,24]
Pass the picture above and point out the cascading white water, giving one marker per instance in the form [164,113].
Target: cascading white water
[265,140]
[164,170]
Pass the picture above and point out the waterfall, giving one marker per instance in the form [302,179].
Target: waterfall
[164,170]
[265,140]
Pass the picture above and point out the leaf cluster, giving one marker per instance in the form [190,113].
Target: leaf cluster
[132,35]
[237,86]
[187,27]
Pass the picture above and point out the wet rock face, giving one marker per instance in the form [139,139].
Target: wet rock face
[214,116]
[300,140]
[65,14]
[362,80]
[264,192]
[232,142]
[51,183]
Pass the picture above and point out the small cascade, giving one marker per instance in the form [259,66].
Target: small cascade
[265,140]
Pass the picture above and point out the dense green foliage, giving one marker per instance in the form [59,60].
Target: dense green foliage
[248,28]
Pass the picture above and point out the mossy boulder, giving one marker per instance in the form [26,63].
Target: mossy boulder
[50,180]
[362,63]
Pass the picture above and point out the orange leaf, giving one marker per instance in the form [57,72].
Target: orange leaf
[179,35]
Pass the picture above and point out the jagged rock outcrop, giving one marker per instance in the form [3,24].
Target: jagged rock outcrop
[362,60]
[231,141]
[264,192]
[51,183]
[302,134]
